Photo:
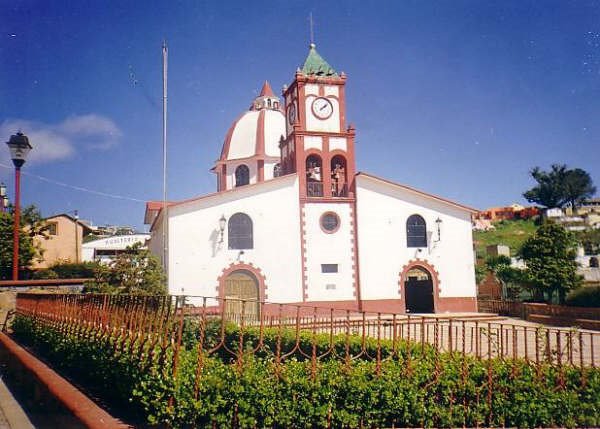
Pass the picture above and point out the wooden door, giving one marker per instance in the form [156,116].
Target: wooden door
[241,294]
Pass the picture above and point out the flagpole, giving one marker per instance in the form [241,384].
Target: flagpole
[164,141]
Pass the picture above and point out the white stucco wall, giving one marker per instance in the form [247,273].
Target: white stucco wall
[325,248]
[196,259]
[274,129]
[243,138]
[382,211]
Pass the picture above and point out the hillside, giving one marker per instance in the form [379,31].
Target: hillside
[511,233]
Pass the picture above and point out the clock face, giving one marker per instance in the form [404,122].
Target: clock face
[291,114]
[322,108]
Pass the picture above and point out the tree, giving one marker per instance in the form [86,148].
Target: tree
[136,271]
[578,187]
[512,279]
[560,186]
[32,225]
[550,258]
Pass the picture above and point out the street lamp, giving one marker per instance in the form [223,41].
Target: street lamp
[19,147]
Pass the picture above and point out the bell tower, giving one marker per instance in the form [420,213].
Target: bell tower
[317,145]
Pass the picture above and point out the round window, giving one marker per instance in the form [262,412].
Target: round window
[330,222]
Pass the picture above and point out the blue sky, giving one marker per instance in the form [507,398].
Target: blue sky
[457,98]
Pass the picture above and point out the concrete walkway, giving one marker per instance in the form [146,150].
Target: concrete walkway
[12,415]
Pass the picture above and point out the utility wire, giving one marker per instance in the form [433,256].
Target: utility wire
[77,188]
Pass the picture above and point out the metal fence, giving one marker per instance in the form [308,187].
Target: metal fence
[150,323]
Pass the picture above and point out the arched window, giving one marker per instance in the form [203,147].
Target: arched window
[239,232]
[242,175]
[593,262]
[416,232]
[277,170]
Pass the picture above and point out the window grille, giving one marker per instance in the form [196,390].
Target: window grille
[239,232]
[242,175]
[416,232]
[329,268]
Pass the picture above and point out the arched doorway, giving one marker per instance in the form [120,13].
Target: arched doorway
[241,293]
[418,291]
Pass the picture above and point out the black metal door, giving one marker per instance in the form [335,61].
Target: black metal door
[419,296]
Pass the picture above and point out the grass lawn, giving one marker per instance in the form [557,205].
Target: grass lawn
[510,233]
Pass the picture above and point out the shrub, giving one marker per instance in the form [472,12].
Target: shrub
[584,297]
[67,270]
[44,274]
[432,390]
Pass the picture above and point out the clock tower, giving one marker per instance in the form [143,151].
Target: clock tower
[319,147]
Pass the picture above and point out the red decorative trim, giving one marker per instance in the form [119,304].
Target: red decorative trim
[259,149]
[84,409]
[339,222]
[260,174]
[242,266]
[355,256]
[342,106]
[223,178]
[434,278]
[303,252]
[462,304]
[47,282]
[301,106]
[266,90]
[227,142]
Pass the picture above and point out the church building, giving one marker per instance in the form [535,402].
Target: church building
[293,221]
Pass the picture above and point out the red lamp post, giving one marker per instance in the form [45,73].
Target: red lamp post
[19,148]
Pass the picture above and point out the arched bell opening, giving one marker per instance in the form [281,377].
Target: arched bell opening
[339,178]
[314,176]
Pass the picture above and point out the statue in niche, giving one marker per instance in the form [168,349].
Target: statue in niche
[338,180]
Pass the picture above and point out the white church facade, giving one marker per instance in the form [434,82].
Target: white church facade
[292,220]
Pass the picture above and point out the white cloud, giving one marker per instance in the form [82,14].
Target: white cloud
[53,142]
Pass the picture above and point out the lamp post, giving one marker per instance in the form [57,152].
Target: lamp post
[3,198]
[19,147]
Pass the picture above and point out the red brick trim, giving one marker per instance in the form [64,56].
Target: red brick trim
[434,278]
[461,304]
[303,252]
[259,148]
[238,266]
[90,414]
[355,257]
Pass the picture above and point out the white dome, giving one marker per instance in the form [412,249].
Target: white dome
[258,131]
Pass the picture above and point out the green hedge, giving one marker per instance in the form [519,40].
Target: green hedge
[584,297]
[262,394]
